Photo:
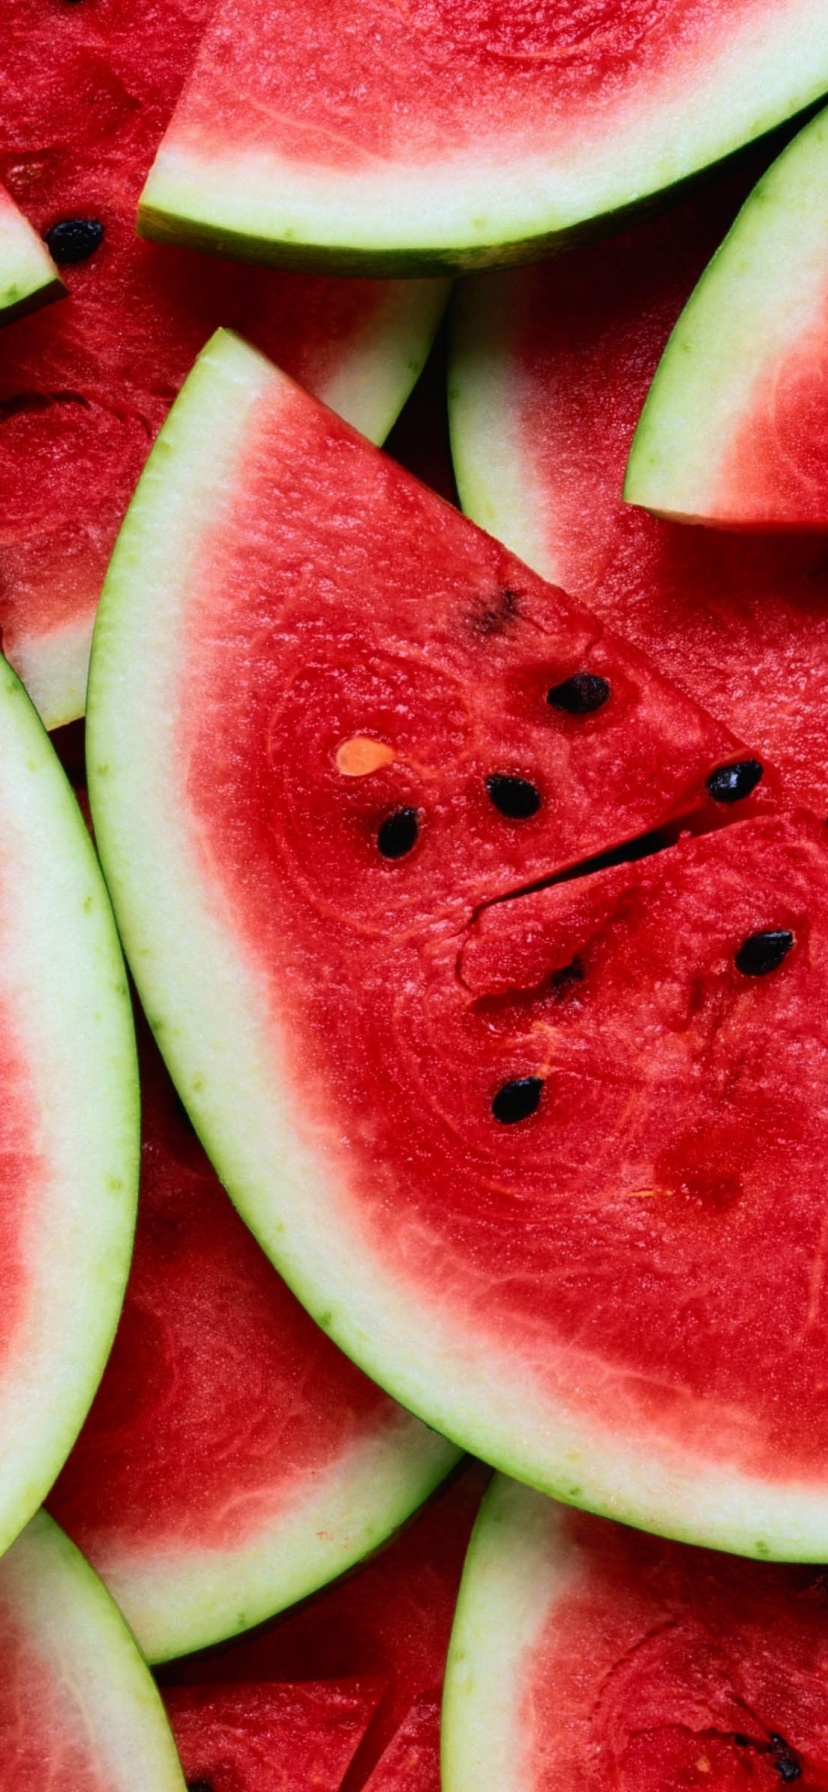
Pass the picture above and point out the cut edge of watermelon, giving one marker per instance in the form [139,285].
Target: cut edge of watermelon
[519,1561]
[372,383]
[223,1057]
[72,1006]
[466,211]
[177,1602]
[28,276]
[496,482]
[70,1620]
[763,290]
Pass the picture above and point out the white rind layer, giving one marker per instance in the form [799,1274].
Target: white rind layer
[208,1006]
[63,986]
[95,1685]
[519,1563]
[28,276]
[184,1598]
[474,207]
[762,296]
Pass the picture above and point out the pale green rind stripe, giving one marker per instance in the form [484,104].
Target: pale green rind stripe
[28,276]
[763,292]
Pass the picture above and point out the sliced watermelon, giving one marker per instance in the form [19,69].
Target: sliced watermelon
[586,1655]
[550,370]
[68,1116]
[735,428]
[411,1762]
[83,392]
[308,859]
[389,1622]
[233,1460]
[28,276]
[417,135]
[78,1708]
[288,1738]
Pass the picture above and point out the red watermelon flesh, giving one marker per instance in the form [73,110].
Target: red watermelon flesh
[390,1620]
[87,90]
[269,1738]
[551,369]
[411,1762]
[233,1459]
[591,1658]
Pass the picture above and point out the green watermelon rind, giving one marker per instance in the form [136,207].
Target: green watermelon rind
[28,276]
[761,294]
[519,1561]
[225,1060]
[65,984]
[177,1600]
[70,1625]
[464,211]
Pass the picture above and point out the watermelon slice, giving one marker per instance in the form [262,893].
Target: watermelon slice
[269,1738]
[388,1623]
[734,430]
[78,1708]
[84,390]
[550,370]
[411,135]
[233,1460]
[586,1655]
[411,1762]
[28,276]
[68,1116]
[415,730]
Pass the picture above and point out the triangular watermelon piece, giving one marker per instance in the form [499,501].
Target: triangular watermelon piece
[86,96]
[233,1460]
[550,370]
[584,1654]
[78,1707]
[735,427]
[68,1116]
[269,1738]
[28,276]
[308,857]
[410,137]
[411,1762]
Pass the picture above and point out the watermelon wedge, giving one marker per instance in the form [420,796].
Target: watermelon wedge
[28,276]
[550,369]
[78,1707]
[427,134]
[68,1116]
[417,732]
[233,1460]
[84,391]
[586,1655]
[735,426]
[269,1738]
[411,1762]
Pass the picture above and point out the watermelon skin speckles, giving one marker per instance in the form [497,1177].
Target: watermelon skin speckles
[735,426]
[269,1738]
[586,1656]
[551,368]
[28,276]
[414,137]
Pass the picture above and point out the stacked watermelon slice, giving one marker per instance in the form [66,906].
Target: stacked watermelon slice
[473,889]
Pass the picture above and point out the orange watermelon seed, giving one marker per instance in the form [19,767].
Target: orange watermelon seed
[360,755]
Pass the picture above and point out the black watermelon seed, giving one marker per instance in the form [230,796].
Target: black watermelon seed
[516,1101]
[763,952]
[580,695]
[398,833]
[514,797]
[730,783]
[73,240]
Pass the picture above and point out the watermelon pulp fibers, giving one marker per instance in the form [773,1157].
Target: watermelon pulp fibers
[233,1460]
[411,1762]
[386,138]
[86,96]
[734,429]
[587,1656]
[550,371]
[264,1738]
